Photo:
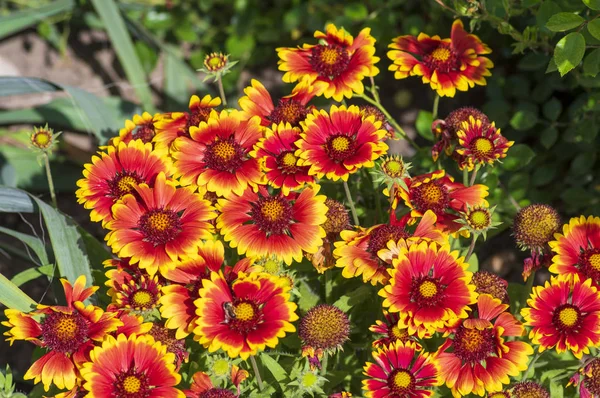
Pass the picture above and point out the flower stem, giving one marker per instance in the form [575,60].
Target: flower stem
[256,373]
[436,103]
[533,361]
[390,119]
[351,203]
[465,176]
[221,91]
[471,247]
[324,364]
[473,176]
[374,90]
[50,181]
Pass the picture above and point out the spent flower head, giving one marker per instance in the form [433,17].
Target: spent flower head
[534,226]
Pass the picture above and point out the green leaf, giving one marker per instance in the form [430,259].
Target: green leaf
[556,390]
[308,298]
[15,201]
[552,109]
[551,66]
[564,21]
[583,163]
[34,244]
[569,52]
[347,301]
[473,263]
[17,21]
[591,63]
[549,137]
[423,124]
[519,156]
[356,11]
[175,85]
[123,45]
[274,367]
[593,4]
[523,120]
[594,28]
[32,273]
[533,61]
[13,297]
[545,12]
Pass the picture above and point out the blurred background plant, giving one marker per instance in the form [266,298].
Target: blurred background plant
[85,66]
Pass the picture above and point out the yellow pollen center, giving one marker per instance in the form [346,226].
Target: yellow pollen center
[568,316]
[483,145]
[142,298]
[224,150]
[289,160]
[431,193]
[329,56]
[479,219]
[126,184]
[244,312]
[158,222]
[402,379]
[272,210]
[399,333]
[214,61]
[340,144]
[472,340]
[66,329]
[132,384]
[441,54]
[42,138]
[594,260]
[428,289]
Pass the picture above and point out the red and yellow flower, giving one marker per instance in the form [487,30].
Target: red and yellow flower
[202,387]
[160,225]
[341,61]
[564,314]
[578,250]
[254,313]
[588,379]
[170,126]
[481,143]
[446,65]
[140,128]
[400,370]
[439,193]
[276,152]
[134,366]
[115,173]
[291,109]
[480,359]
[260,223]
[337,144]
[391,331]
[217,154]
[430,285]
[133,292]
[67,333]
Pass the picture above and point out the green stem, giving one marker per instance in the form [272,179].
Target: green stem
[221,91]
[473,176]
[374,90]
[533,361]
[528,286]
[471,247]
[324,364]
[390,119]
[50,181]
[436,103]
[328,286]
[465,176]
[256,373]
[351,203]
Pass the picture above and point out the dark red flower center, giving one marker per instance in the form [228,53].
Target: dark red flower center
[287,162]
[589,263]
[426,291]
[272,214]
[243,316]
[592,377]
[324,327]
[131,384]
[167,337]
[443,59]
[430,196]
[380,236]
[123,183]
[197,115]
[473,345]
[217,393]
[482,148]
[224,155]
[288,110]
[395,333]
[64,333]
[401,383]
[160,226]
[340,147]
[567,318]
[329,61]
[529,389]
[144,132]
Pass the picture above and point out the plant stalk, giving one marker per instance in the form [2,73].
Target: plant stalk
[324,364]
[471,247]
[50,181]
[351,203]
[256,373]
[374,90]
[473,176]
[221,91]
[436,103]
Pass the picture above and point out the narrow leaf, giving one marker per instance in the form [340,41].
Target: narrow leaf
[275,368]
[32,273]
[568,52]
[564,21]
[15,201]
[34,243]
[17,85]
[17,21]
[13,297]
[175,83]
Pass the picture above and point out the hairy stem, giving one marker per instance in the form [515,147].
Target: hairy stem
[256,373]
[471,247]
[473,176]
[50,181]
[351,203]
[221,91]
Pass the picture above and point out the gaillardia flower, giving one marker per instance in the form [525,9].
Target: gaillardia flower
[260,223]
[217,154]
[276,153]
[169,126]
[391,331]
[290,109]
[445,129]
[565,315]
[160,225]
[337,144]
[488,283]
[588,379]
[535,225]
[481,143]
[43,138]
[431,285]
[324,329]
[134,366]
[202,387]
[480,359]
[141,128]
[400,370]
[254,313]
[529,389]
[68,333]
[173,344]
[138,292]
[341,61]
[578,250]
[446,65]
[115,173]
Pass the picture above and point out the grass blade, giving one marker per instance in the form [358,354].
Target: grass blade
[13,297]
[17,21]
[15,201]
[34,243]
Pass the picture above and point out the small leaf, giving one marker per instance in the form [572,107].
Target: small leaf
[552,109]
[13,297]
[519,156]
[594,28]
[593,4]
[591,63]
[569,52]
[551,66]
[533,61]
[356,11]
[423,124]
[523,120]
[549,137]
[564,21]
